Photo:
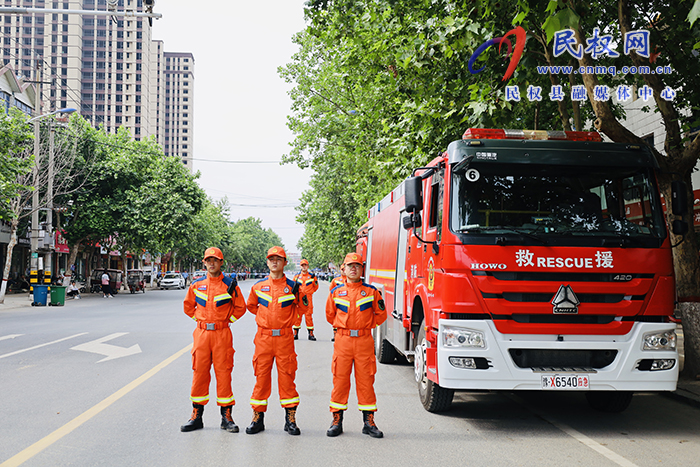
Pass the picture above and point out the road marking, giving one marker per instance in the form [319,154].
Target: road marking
[10,336]
[580,437]
[41,345]
[111,351]
[48,440]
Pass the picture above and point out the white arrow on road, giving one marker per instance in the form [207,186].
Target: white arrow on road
[10,336]
[111,351]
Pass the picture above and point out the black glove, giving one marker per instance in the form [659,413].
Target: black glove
[295,289]
[305,300]
[232,289]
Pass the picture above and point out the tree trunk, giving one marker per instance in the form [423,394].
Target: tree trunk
[8,259]
[690,316]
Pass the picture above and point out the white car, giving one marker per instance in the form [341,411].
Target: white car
[172,280]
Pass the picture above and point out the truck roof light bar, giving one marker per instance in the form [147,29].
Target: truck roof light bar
[491,133]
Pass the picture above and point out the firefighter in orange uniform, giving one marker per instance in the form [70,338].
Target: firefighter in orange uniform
[308,285]
[214,302]
[354,309]
[274,302]
[335,282]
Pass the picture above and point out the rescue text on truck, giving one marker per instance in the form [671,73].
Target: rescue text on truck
[528,260]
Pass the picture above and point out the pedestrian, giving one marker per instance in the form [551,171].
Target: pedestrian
[214,301]
[354,309]
[308,285]
[275,305]
[335,282]
[73,291]
[106,289]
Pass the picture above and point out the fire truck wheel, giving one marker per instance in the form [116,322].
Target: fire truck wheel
[433,397]
[383,349]
[609,401]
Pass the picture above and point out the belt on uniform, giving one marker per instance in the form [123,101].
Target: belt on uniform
[354,332]
[215,326]
[275,332]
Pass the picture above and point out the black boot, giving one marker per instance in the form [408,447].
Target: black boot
[290,421]
[296,334]
[370,427]
[227,422]
[337,425]
[311,335]
[195,422]
[257,425]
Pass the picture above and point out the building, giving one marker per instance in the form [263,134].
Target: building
[107,67]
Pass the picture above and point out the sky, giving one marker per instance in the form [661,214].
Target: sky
[241,103]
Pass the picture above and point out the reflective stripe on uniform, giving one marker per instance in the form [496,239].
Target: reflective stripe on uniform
[200,399]
[263,298]
[364,303]
[200,298]
[365,408]
[257,402]
[286,300]
[226,400]
[342,305]
[222,299]
[335,405]
[294,400]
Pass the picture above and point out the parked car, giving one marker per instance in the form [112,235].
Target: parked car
[198,275]
[172,280]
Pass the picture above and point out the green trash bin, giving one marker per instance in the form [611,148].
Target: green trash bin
[58,295]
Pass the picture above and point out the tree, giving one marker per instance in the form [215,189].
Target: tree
[381,86]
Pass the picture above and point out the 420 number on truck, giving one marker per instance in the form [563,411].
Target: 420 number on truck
[524,260]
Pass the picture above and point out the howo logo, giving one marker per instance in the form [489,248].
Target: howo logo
[488,266]
[565,301]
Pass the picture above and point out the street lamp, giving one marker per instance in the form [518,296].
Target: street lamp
[35,265]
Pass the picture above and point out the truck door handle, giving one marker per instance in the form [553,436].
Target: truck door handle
[396,315]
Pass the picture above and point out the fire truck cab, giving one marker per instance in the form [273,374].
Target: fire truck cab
[528,261]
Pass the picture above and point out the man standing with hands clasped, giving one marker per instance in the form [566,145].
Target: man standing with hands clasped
[308,285]
[214,302]
[354,308]
[274,302]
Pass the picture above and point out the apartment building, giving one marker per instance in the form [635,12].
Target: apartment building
[107,67]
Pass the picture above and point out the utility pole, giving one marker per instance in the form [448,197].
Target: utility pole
[34,265]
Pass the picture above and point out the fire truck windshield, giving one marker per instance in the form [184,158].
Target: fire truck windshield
[557,203]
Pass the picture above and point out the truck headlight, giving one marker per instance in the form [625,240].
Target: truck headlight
[665,340]
[462,337]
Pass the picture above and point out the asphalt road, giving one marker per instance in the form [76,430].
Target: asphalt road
[106,382]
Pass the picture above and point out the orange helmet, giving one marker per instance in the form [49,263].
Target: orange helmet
[352,258]
[303,261]
[213,252]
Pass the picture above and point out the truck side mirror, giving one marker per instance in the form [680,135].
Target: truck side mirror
[679,227]
[413,189]
[679,198]
[411,221]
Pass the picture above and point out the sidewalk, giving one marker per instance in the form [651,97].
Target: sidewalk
[687,391]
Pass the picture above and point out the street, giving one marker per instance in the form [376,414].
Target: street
[106,382]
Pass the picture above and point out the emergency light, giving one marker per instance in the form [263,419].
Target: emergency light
[490,133]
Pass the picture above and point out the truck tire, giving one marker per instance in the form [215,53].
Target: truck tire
[383,349]
[433,397]
[609,401]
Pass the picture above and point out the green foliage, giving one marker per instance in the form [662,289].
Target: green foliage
[15,142]
[247,242]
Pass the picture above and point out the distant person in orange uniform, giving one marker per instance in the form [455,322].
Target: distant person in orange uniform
[214,302]
[335,282]
[274,302]
[354,309]
[308,285]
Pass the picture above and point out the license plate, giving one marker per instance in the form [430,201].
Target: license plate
[565,382]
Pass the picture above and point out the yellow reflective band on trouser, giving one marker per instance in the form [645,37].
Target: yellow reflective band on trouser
[335,405]
[233,319]
[226,400]
[199,400]
[367,408]
[294,400]
[257,402]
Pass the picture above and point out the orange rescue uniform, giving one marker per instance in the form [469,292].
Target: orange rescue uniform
[354,309]
[210,305]
[336,281]
[308,285]
[275,309]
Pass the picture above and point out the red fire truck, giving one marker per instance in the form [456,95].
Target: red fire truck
[528,260]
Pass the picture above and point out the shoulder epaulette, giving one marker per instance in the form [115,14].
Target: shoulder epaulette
[290,282]
[337,287]
[369,285]
[261,280]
